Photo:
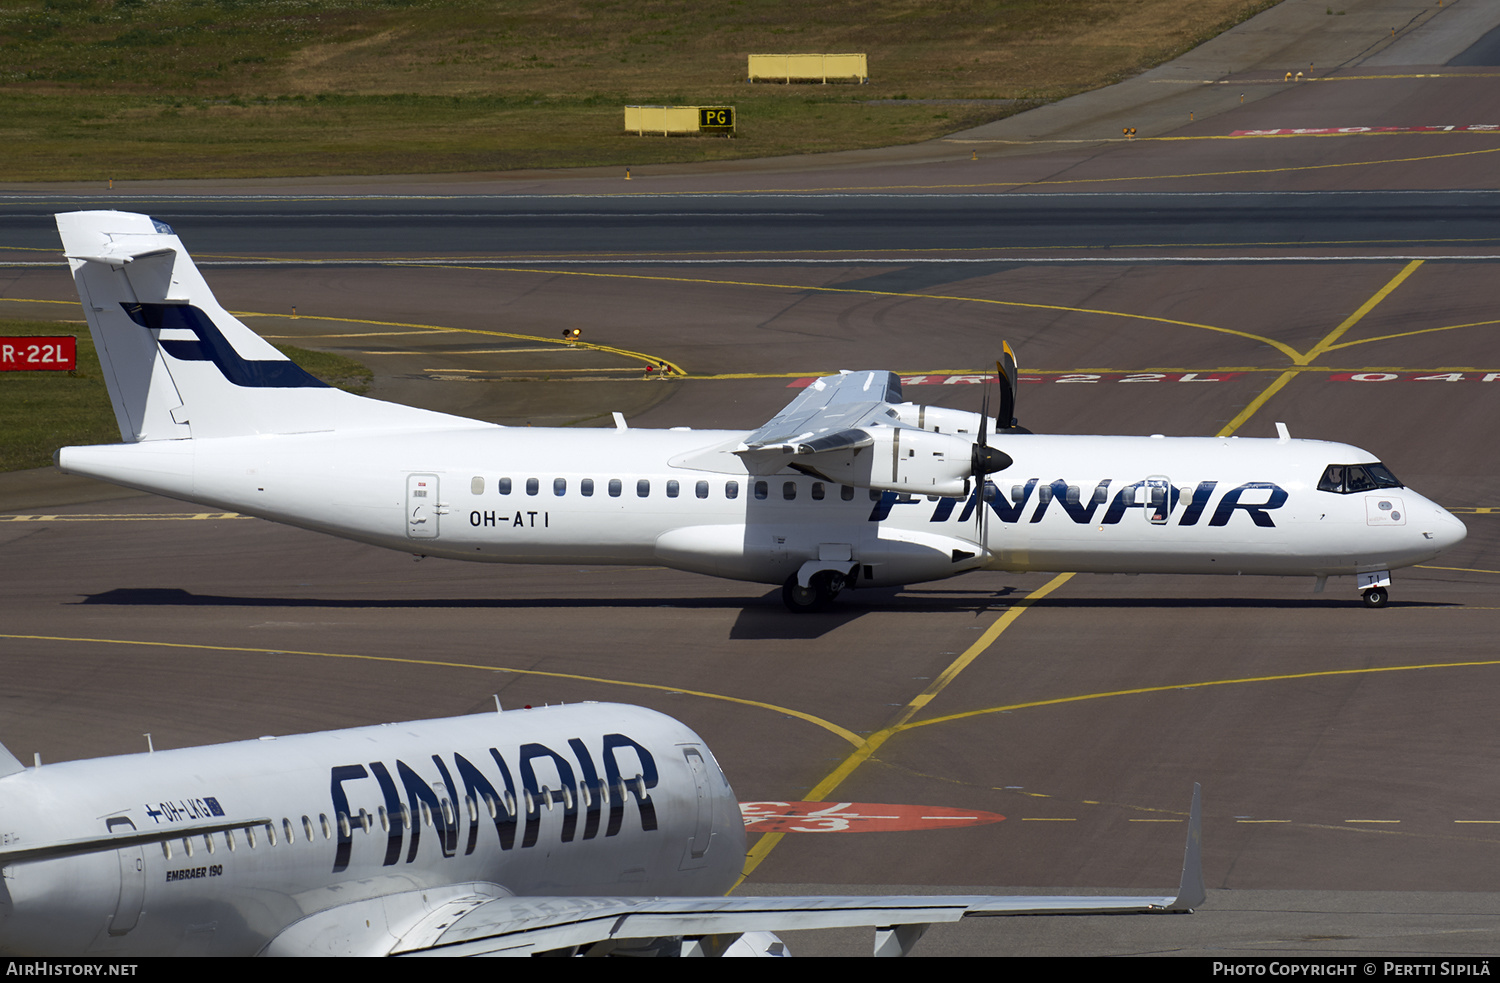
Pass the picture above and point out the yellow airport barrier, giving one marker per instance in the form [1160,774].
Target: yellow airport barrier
[808,68]
[667,120]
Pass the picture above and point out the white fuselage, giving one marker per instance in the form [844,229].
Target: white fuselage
[1074,503]
[367,834]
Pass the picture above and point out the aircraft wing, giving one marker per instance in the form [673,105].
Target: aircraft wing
[827,415]
[707,926]
[524,926]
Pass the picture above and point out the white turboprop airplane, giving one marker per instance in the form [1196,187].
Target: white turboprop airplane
[591,828]
[848,486]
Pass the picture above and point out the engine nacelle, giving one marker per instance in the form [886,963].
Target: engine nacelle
[918,462]
[938,419]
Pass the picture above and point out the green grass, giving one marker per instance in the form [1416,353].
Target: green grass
[42,411]
[134,89]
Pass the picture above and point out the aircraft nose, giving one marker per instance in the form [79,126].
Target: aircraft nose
[1444,530]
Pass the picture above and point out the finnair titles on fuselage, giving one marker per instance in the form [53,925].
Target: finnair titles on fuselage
[848,486]
[590,828]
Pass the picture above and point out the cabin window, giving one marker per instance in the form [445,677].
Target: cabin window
[533,486]
[385,820]
[476,485]
[643,488]
[614,488]
[817,491]
[789,490]
[1346,479]
[426,814]
[286,827]
[271,834]
[503,485]
[672,488]
[846,492]
[250,837]
[229,839]
[166,849]
[559,486]
[586,488]
[307,828]
[762,490]
[731,489]
[1158,500]
[208,842]
[701,489]
[328,830]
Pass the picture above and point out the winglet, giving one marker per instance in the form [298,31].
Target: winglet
[1191,892]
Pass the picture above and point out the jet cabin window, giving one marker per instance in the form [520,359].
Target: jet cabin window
[1346,479]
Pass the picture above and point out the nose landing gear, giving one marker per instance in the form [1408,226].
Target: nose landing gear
[1372,587]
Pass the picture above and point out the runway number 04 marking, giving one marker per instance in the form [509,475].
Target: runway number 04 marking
[1414,377]
[1066,378]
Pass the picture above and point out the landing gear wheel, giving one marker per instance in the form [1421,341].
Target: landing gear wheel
[819,593]
[1375,597]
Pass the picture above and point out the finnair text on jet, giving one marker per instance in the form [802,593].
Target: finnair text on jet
[497,800]
[1163,503]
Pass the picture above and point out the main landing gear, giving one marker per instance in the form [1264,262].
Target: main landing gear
[822,587]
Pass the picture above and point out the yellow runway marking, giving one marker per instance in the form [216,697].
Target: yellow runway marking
[1333,336]
[1320,348]
[1423,566]
[368,334]
[1411,334]
[762,848]
[1202,684]
[560,345]
[832,728]
[1285,349]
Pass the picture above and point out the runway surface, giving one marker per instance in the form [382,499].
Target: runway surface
[1337,282]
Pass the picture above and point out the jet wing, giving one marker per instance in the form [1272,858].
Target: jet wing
[525,926]
[528,925]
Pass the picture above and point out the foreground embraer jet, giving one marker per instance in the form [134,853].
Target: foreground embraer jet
[848,486]
[592,828]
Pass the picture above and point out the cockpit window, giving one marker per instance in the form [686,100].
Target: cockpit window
[1346,479]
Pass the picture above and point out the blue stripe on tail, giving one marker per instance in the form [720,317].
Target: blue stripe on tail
[212,346]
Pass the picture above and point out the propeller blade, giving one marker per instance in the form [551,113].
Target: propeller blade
[1006,369]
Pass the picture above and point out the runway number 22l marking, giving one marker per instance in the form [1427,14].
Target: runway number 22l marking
[856,817]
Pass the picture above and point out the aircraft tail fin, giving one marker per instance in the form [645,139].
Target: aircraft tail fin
[176,363]
[9,763]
